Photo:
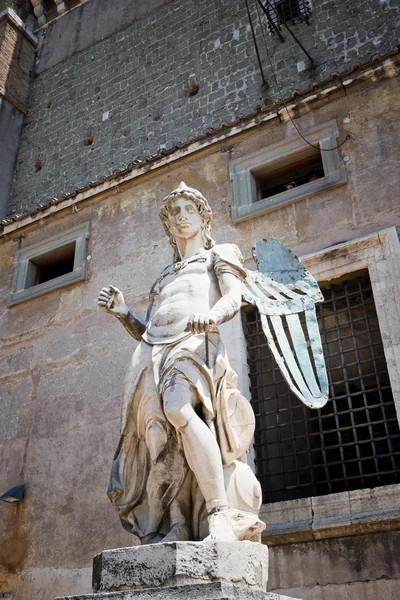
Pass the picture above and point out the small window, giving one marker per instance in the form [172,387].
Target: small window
[287,11]
[354,441]
[307,166]
[286,172]
[50,264]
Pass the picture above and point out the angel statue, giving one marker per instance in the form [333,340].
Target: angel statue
[179,472]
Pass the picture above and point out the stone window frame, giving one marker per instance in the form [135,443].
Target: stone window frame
[366,510]
[244,170]
[78,234]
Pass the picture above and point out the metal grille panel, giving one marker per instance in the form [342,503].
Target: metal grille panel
[354,441]
[286,11]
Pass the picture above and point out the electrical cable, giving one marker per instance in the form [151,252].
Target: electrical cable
[281,95]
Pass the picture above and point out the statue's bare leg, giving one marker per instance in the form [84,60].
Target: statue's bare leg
[201,451]
[179,513]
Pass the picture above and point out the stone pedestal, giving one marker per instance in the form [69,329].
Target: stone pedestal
[181,571]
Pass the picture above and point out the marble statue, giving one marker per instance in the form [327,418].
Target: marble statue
[179,472]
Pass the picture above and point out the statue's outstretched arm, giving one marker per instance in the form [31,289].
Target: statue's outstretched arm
[111,300]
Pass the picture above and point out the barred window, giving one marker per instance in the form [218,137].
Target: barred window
[286,11]
[354,441]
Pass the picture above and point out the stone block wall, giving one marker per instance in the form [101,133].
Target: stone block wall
[124,95]
[363,567]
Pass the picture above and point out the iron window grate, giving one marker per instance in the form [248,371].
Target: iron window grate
[286,11]
[354,441]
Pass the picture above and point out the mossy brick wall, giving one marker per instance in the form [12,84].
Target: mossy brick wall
[126,93]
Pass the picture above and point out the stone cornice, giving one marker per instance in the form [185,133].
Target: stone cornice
[378,68]
[11,15]
[62,9]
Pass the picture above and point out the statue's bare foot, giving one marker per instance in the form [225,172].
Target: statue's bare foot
[178,533]
[220,527]
[247,526]
[231,525]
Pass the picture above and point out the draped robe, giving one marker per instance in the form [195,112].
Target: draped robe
[149,473]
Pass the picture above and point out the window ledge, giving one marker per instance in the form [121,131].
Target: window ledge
[38,290]
[336,515]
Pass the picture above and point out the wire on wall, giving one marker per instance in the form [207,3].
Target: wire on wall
[280,94]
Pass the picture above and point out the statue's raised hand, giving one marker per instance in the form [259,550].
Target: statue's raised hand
[111,300]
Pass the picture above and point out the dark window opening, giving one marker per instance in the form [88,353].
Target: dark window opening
[51,265]
[306,167]
[354,441]
[287,11]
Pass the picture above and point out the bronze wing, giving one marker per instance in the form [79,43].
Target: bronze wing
[285,294]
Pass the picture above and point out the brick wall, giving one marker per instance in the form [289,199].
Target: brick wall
[124,96]
[16,58]
[23,8]
[17,53]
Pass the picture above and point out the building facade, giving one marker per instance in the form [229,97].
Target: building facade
[105,108]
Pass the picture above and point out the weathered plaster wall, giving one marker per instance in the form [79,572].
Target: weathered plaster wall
[126,92]
[64,361]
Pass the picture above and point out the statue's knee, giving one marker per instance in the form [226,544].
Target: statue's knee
[175,410]
[176,418]
[175,415]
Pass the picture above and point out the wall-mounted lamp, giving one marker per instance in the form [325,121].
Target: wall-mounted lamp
[15,494]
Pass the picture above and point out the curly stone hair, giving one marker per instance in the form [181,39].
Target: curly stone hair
[183,191]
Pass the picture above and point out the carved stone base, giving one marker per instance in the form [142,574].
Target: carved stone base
[181,563]
[203,591]
[182,570]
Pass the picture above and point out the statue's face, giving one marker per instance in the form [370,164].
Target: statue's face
[184,218]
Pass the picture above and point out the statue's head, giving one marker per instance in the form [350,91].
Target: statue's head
[202,208]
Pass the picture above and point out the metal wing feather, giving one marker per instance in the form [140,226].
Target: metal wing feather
[282,290]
